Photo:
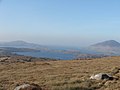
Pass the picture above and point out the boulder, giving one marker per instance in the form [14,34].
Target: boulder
[28,87]
[102,76]
[3,59]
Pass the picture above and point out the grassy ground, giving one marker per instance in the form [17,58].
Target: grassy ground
[60,75]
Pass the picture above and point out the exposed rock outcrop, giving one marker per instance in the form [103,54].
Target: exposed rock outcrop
[28,87]
[102,76]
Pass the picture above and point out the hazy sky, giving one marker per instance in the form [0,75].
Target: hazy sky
[60,22]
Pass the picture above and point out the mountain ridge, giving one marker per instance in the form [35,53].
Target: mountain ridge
[21,44]
[109,47]
[110,43]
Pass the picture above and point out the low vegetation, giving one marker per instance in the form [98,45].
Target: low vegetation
[61,75]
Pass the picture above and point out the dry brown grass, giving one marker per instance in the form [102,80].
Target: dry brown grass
[60,75]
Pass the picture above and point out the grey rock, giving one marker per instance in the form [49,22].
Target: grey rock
[101,76]
[28,87]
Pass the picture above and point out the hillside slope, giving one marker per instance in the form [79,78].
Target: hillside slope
[110,47]
[60,75]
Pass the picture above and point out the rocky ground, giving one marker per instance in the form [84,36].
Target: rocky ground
[59,75]
[22,59]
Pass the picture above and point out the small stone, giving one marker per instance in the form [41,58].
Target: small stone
[115,70]
[108,83]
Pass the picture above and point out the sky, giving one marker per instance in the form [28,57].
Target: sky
[75,23]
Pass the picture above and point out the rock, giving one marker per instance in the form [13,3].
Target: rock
[108,83]
[28,87]
[2,59]
[115,70]
[116,77]
[102,76]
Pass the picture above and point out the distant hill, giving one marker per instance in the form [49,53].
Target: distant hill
[110,47]
[21,44]
[37,50]
[102,49]
[109,43]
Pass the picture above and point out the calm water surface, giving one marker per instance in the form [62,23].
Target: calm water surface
[55,55]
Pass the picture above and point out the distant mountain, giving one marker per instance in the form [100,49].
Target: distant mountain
[109,43]
[31,49]
[22,44]
[110,47]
